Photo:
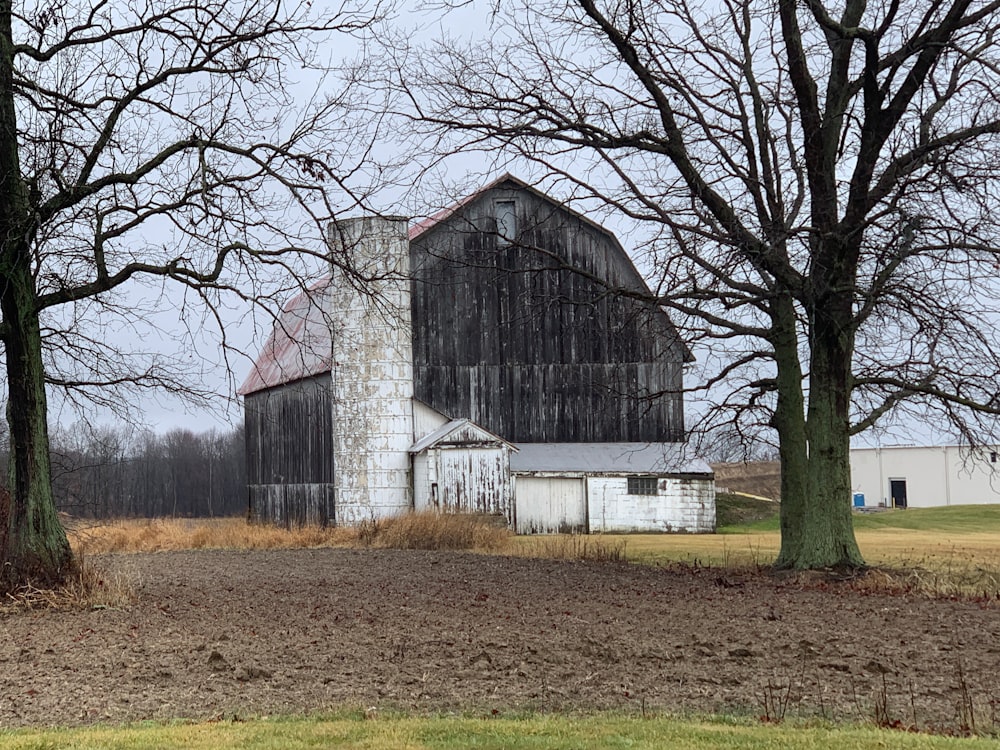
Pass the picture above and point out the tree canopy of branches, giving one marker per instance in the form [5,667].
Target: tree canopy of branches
[819,183]
[144,142]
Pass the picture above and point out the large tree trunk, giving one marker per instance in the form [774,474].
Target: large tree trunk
[790,423]
[36,548]
[33,544]
[817,530]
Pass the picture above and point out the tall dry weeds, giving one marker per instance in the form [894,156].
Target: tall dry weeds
[108,584]
[424,530]
[162,534]
[429,530]
[581,547]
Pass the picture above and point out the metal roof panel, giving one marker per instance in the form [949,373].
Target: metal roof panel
[626,458]
[299,345]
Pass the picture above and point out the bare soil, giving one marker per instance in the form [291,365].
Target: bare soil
[219,634]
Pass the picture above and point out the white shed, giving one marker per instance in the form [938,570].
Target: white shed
[924,477]
[461,467]
[616,487]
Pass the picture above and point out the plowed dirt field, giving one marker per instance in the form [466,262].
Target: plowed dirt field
[224,634]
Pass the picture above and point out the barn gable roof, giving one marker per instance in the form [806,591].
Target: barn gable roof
[300,346]
[424,226]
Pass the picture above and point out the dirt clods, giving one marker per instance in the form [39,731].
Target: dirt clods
[250,633]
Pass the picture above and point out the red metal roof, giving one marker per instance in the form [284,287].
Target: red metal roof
[299,345]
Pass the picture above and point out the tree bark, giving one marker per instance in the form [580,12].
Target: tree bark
[36,546]
[817,530]
[790,423]
[33,545]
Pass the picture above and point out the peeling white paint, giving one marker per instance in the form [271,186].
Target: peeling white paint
[680,504]
[463,468]
[550,504]
[372,371]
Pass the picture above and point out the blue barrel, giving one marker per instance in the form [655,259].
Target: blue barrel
[859,499]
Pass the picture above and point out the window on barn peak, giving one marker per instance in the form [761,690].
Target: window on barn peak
[506,216]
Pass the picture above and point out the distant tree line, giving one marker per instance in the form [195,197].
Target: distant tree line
[121,471]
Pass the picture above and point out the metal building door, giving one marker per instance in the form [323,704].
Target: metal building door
[897,491]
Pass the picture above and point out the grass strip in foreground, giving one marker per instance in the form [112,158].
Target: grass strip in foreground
[542,731]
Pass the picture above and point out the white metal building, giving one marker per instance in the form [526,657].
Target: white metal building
[924,477]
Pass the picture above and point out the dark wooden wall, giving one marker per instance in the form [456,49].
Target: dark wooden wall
[509,336]
[290,453]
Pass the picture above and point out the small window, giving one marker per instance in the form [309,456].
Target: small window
[506,214]
[642,485]
[993,457]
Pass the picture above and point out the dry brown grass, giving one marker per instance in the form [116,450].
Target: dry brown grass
[577,547]
[109,584]
[413,531]
[429,531]
[155,535]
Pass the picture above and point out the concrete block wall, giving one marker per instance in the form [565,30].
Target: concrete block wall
[372,370]
[680,504]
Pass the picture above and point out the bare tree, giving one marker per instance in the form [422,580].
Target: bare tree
[818,182]
[146,143]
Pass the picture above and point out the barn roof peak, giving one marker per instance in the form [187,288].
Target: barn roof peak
[423,226]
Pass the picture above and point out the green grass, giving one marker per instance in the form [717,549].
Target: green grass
[955,519]
[556,732]
[739,510]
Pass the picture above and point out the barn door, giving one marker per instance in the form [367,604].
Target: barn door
[550,505]
[475,480]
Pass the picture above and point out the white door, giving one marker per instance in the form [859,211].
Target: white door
[550,505]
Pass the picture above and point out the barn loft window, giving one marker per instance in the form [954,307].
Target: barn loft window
[506,215]
[642,485]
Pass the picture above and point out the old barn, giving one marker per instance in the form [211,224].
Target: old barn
[503,358]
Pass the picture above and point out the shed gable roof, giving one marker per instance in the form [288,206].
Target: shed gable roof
[608,458]
[458,432]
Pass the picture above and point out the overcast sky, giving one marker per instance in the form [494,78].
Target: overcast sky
[222,371]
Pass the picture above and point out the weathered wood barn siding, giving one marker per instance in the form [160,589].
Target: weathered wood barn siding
[290,453]
[508,336]
[464,469]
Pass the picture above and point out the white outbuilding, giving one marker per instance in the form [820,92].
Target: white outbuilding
[611,487]
[924,477]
